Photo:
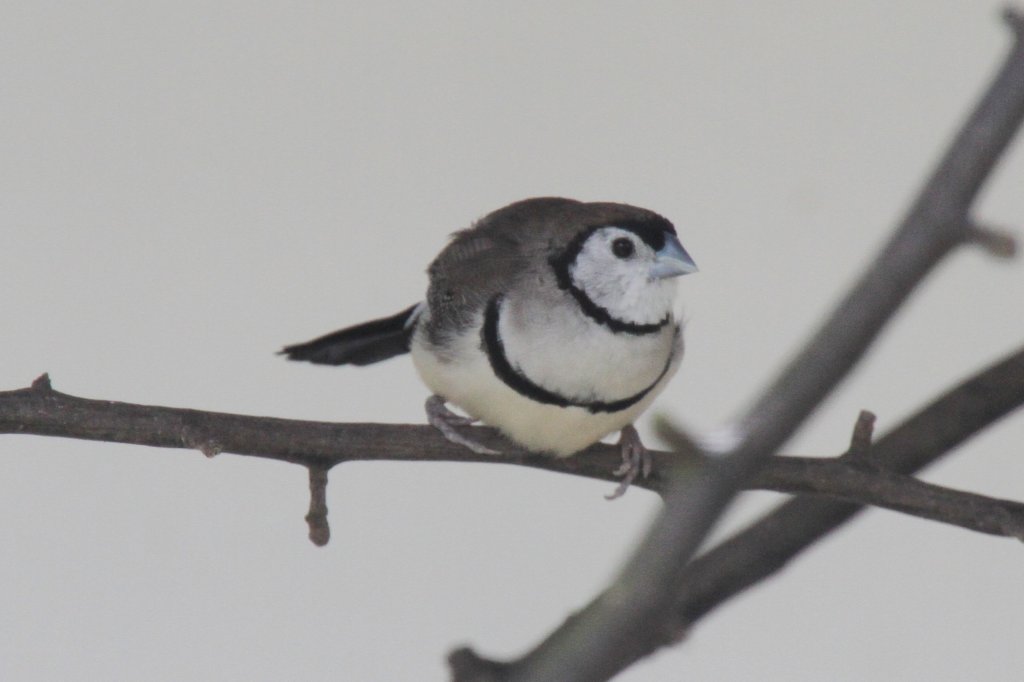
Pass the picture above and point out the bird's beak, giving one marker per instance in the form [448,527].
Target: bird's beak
[672,260]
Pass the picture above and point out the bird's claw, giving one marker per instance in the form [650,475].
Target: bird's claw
[636,461]
[445,421]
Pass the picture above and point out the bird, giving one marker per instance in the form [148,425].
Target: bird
[550,319]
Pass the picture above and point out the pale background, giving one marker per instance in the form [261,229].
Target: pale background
[186,186]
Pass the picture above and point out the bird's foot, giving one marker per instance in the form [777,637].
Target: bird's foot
[636,460]
[445,421]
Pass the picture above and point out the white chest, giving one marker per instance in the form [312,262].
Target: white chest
[565,354]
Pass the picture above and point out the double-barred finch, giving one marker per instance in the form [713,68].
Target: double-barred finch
[549,319]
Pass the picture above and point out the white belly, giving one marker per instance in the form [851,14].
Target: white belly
[591,370]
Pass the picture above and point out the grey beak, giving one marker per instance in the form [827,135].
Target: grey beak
[672,260]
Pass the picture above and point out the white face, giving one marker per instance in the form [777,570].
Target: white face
[614,270]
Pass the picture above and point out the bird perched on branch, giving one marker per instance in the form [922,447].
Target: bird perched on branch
[549,319]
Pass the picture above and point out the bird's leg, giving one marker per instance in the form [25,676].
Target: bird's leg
[445,421]
[636,460]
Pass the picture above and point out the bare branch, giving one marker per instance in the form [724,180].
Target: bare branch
[629,620]
[997,243]
[319,529]
[752,555]
[868,485]
[41,410]
[44,411]
[770,543]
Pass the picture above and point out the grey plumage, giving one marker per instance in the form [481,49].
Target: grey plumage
[507,246]
[550,319]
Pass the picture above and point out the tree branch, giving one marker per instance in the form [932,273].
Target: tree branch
[856,476]
[630,619]
[767,545]
[868,485]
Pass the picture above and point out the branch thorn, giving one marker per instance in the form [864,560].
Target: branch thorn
[1014,18]
[42,383]
[860,439]
[208,446]
[319,529]
[997,243]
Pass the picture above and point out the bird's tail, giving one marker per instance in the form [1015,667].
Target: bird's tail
[363,344]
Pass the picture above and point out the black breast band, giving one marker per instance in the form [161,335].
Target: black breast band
[520,383]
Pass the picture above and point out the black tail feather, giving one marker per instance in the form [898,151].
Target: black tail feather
[362,344]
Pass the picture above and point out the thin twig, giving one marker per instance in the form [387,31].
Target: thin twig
[869,485]
[860,439]
[996,242]
[721,573]
[44,411]
[316,518]
[767,545]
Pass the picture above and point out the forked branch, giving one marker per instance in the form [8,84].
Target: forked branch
[631,619]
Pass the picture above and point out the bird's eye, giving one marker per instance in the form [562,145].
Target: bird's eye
[623,247]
